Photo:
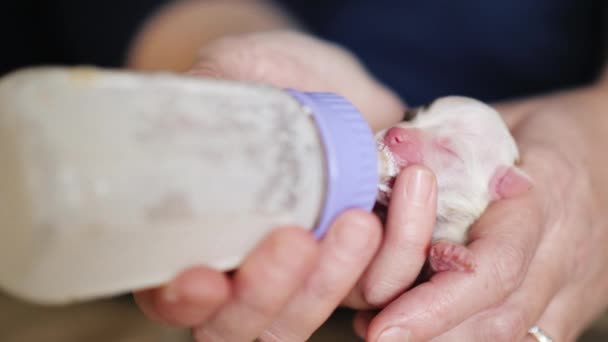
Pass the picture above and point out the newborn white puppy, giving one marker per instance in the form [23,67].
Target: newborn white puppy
[473,155]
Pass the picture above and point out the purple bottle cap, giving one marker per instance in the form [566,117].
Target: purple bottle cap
[350,152]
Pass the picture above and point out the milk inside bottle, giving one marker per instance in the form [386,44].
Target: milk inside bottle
[113,181]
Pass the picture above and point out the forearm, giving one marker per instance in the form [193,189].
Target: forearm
[170,39]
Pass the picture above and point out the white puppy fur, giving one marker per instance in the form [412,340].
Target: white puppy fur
[477,145]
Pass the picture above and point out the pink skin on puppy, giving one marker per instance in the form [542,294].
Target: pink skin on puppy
[473,155]
[405,144]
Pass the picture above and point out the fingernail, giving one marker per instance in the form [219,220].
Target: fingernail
[418,187]
[394,334]
[169,294]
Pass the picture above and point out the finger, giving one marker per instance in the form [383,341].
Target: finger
[262,286]
[410,222]
[584,298]
[511,320]
[569,313]
[577,305]
[345,253]
[503,245]
[189,299]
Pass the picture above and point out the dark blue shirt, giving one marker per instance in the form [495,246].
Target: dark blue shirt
[486,49]
[422,49]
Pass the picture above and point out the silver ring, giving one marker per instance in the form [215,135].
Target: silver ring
[539,335]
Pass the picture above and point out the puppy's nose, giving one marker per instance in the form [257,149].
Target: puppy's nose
[395,136]
[399,136]
[405,144]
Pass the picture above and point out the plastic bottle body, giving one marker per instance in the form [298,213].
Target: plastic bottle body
[124,179]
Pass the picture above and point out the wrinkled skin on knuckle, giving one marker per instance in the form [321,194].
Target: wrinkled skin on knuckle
[233,57]
[509,269]
[263,57]
[443,301]
[289,59]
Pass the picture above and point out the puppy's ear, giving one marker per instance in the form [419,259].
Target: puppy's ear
[509,181]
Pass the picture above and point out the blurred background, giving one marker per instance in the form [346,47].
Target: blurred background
[119,320]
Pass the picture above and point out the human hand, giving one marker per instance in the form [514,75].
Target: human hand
[284,290]
[307,288]
[287,59]
[541,257]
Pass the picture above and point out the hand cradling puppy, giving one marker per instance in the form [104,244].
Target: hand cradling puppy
[474,158]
